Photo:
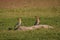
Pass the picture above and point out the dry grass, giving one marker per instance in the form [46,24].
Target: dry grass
[28,3]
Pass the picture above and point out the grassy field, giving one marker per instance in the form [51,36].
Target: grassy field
[50,16]
[47,10]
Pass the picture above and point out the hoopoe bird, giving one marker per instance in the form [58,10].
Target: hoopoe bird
[18,23]
[37,22]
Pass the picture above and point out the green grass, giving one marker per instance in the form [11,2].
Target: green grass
[41,34]
[5,23]
[50,16]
